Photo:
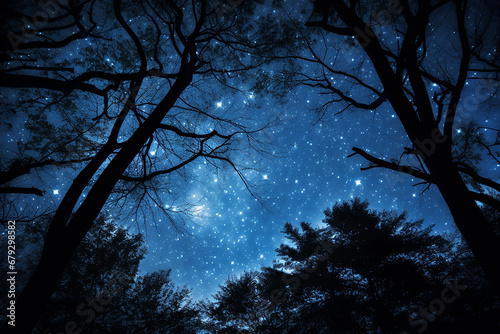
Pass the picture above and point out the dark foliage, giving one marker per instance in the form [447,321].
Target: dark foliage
[380,274]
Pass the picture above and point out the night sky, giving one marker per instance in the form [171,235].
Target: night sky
[307,172]
[312,172]
[236,233]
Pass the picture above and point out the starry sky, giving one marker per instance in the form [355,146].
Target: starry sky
[307,172]
[311,172]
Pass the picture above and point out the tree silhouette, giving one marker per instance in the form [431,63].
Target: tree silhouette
[139,101]
[155,305]
[240,306]
[105,294]
[116,255]
[383,270]
[393,57]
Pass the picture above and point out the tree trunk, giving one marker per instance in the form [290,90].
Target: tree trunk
[63,239]
[42,284]
[475,229]
[420,125]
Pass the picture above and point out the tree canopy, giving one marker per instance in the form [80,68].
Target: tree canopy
[381,274]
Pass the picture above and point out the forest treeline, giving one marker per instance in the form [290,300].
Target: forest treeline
[360,271]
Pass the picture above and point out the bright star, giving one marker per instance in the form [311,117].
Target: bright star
[358,182]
